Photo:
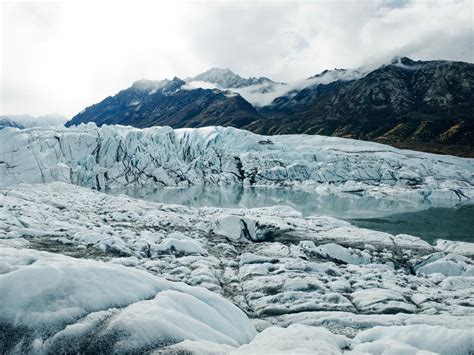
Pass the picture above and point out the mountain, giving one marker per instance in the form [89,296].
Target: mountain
[259,91]
[28,121]
[226,79]
[421,105]
[425,105]
[5,121]
[169,102]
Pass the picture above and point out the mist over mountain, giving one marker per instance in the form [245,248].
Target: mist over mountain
[28,121]
[226,79]
[423,105]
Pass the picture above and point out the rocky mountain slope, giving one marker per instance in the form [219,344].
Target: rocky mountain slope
[406,103]
[424,105]
[169,103]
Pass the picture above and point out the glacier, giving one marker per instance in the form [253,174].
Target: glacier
[81,270]
[115,156]
[85,271]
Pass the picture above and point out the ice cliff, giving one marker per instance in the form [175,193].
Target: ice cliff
[115,156]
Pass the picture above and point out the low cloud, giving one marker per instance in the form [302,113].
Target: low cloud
[61,57]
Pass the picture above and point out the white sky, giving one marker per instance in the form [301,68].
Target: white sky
[63,56]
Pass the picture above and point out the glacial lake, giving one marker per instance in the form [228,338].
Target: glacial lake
[427,220]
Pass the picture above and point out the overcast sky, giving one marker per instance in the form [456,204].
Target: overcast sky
[62,56]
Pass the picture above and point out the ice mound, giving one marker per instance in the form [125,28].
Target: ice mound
[296,338]
[448,265]
[302,339]
[415,339]
[53,303]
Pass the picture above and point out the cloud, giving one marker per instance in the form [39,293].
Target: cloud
[63,56]
[288,40]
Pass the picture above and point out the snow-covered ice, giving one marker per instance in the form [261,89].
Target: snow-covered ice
[53,303]
[83,271]
[115,156]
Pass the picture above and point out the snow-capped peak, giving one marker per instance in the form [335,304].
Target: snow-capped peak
[337,74]
[227,79]
[224,78]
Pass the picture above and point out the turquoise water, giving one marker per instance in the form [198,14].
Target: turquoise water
[431,224]
[422,219]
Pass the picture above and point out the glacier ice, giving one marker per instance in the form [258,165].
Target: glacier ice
[84,271]
[52,303]
[141,269]
[115,156]
[415,339]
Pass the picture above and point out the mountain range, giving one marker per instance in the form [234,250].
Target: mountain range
[28,121]
[421,105]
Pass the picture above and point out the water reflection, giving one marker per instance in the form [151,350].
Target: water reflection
[342,205]
[434,223]
[415,217]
